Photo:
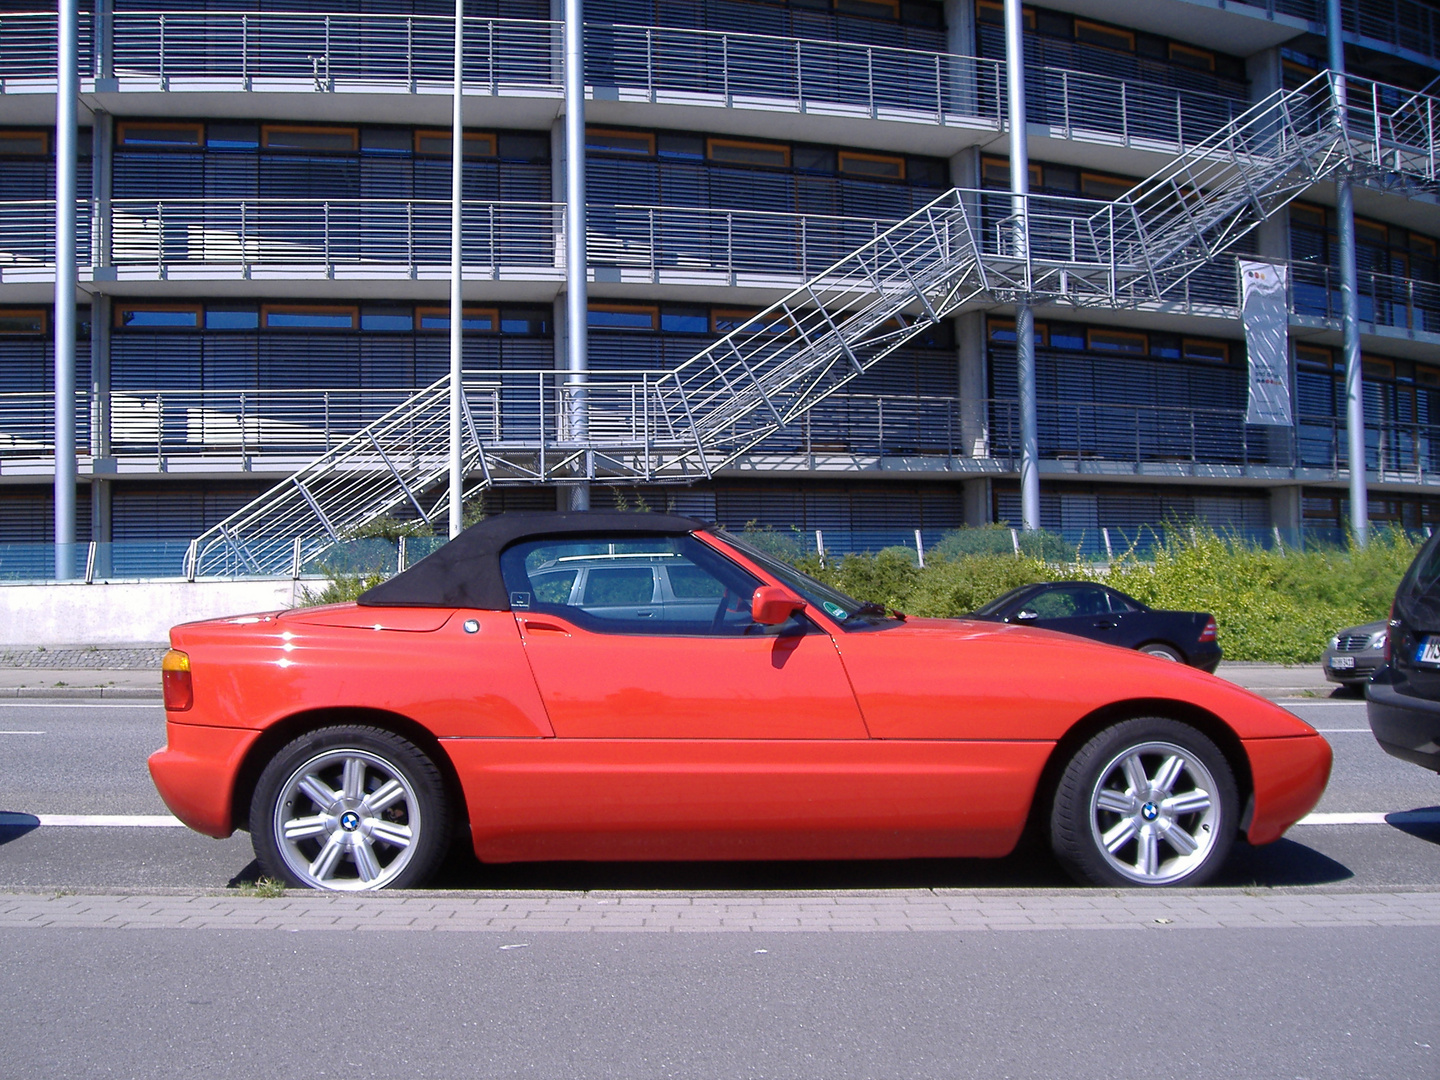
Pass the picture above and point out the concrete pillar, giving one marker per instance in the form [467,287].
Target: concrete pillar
[960,27]
[1286,514]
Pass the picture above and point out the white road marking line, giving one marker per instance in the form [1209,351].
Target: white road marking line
[22,733]
[1342,730]
[1397,817]
[95,821]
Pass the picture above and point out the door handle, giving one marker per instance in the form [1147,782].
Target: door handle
[1105,624]
[643,614]
[536,626]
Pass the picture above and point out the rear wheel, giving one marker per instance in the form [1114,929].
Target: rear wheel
[1162,652]
[350,809]
[1146,802]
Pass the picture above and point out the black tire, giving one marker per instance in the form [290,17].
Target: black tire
[1106,831]
[1162,651]
[389,830]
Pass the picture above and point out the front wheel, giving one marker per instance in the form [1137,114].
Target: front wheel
[350,809]
[1146,802]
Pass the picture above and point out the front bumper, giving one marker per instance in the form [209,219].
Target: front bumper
[1366,664]
[1290,775]
[1405,727]
[195,774]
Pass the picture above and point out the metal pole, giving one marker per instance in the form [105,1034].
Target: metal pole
[1024,319]
[1349,298]
[457,310]
[577,361]
[67,134]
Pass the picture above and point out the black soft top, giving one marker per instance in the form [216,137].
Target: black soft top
[466,571]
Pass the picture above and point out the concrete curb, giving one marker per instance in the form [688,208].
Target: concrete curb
[132,693]
[865,911]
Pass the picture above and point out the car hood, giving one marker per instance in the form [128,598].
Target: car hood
[1039,678]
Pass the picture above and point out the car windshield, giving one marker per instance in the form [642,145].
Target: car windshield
[851,613]
[994,607]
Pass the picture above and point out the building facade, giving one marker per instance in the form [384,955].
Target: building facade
[264,249]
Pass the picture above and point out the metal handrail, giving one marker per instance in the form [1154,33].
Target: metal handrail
[519,412]
[319,51]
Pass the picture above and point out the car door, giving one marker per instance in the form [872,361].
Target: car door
[1079,608]
[694,734]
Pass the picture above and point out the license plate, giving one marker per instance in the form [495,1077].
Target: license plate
[1429,651]
[1342,663]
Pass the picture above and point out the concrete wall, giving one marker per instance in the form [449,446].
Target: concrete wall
[125,612]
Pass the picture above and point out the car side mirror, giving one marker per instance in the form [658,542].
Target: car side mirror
[1027,615]
[772,605]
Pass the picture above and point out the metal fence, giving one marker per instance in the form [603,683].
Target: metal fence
[319,235]
[327,52]
[1157,436]
[520,417]
[376,557]
[324,51]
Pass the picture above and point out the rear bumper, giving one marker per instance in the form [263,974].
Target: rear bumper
[195,774]
[1290,776]
[1405,727]
[1207,656]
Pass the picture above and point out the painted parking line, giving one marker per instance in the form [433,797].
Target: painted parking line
[79,704]
[22,733]
[1397,817]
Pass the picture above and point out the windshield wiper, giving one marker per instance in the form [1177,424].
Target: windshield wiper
[869,608]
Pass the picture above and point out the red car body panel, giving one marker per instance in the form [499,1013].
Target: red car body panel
[1289,776]
[926,738]
[603,799]
[196,773]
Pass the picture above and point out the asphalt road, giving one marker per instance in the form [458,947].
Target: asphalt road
[1321,1002]
[89,759]
[1277,1004]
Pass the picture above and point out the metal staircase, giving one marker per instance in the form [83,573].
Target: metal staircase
[541,426]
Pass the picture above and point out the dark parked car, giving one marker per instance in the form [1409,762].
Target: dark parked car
[1105,614]
[1355,653]
[1404,695]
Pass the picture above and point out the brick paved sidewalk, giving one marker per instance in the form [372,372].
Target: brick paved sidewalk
[910,909]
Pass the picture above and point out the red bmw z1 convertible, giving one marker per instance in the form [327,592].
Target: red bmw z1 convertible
[642,687]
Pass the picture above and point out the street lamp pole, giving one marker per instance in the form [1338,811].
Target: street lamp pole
[1020,215]
[67,134]
[457,310]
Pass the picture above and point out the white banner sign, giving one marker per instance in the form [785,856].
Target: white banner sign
[1266,326]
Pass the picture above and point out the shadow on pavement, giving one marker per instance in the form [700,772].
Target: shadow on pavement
[1423,823]
[1282,863]
[13,825]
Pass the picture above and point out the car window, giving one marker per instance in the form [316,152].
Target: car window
[612,586]
[689,582]
[555,587]
[665,585]
[1052,604]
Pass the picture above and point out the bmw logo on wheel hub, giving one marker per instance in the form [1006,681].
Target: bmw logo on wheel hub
[1149,812]
[349,821]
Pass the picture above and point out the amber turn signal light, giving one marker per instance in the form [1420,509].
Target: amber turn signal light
[175,671]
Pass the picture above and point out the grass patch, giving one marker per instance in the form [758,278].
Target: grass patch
[266,888]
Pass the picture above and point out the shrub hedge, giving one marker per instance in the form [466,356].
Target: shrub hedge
[1272,605]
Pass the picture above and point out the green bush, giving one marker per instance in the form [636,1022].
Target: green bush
[1277,606]
[999,540]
